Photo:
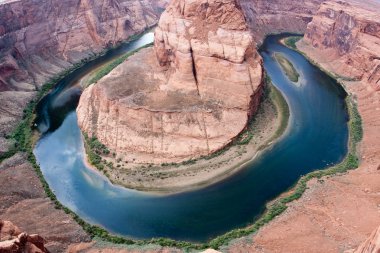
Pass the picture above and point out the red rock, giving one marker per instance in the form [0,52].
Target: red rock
[193,100]
[347,35]
[13,241]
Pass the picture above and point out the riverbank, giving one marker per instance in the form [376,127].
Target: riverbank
[267,126]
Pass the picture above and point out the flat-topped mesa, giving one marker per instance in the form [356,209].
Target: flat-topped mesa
[348,36]
[188,97]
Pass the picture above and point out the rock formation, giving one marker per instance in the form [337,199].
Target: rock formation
[346,35]
[57,33]
[371,245]
[190,96]
[12,240]
[273,16]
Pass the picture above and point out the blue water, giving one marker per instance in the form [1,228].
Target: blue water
[316,137]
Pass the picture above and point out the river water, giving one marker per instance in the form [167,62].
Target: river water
[316,137]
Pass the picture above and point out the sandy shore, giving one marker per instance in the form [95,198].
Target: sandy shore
[267,126]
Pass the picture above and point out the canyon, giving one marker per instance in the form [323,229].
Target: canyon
[343,38]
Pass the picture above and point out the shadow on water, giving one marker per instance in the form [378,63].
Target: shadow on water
[317,137]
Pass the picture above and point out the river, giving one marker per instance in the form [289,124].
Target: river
[316,138]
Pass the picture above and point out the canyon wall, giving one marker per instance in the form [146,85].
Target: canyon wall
[39,39]
[274,16]
[189,96]
[36,35]
[347,36]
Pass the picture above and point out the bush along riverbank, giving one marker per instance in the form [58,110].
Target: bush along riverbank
[23,137]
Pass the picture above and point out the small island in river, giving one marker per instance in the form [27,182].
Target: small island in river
[287,67]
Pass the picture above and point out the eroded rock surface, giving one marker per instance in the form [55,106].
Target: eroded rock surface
[12,240]
[347,35]
[371,245]
[273,16]
[53,34]
[189,96]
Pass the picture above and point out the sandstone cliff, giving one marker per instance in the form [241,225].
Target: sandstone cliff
[12,240]
[188,97]
[347,37]
[273,16]
[34,36]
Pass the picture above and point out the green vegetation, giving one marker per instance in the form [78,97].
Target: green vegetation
[291,41]
[94,149]
[288,67]
[110,66]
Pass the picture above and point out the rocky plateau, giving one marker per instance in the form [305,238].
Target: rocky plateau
[188,97]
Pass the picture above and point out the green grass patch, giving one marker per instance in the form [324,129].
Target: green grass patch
[291,41]
[287,66]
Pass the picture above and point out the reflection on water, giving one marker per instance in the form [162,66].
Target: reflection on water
[316,137]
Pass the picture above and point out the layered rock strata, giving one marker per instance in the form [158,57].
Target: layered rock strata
[274,16]
[34,36]
[189,96]
[347,36]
